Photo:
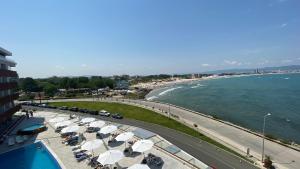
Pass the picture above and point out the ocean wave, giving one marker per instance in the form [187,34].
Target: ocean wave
[198,85]
[168,90]
[287,78]
[152,98]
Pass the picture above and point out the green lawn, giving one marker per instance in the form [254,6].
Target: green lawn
[141,114]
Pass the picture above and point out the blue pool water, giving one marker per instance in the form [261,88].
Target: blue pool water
[29,157]
[33,127]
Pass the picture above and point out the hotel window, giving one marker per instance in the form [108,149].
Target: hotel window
[3,66]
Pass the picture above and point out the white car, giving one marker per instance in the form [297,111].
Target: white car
[104,113]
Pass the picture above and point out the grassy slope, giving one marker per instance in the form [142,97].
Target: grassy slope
[141,114]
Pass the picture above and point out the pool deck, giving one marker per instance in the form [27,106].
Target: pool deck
[162,148]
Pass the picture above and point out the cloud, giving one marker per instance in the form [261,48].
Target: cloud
[264,62]
[286,61]
[205,65]
[60,67]
[283,25]
[276,2]
[233,62]
[83,65]
[298,58]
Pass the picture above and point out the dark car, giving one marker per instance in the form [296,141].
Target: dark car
[52,107]
[34,104]
[74,109]
[117,116]
[63,108]
[83,110]
[26,103]
[93,112]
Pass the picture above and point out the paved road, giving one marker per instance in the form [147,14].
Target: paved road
[205,152]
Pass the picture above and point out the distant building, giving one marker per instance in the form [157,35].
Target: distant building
[257,71]
[8,86]
[122,85]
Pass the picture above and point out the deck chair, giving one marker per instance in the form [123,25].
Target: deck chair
[11,141]
[19,139]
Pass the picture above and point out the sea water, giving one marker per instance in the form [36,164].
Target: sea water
[243,101]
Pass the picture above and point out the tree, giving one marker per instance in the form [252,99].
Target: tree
[29,85]
[72,83]
[110,83]
[50,89]
[83,80]
[64,83]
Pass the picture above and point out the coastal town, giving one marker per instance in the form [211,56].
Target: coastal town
[150,84]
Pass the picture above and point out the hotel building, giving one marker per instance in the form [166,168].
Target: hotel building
[8,87]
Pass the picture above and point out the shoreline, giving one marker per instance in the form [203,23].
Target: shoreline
[278,139]
[160,85]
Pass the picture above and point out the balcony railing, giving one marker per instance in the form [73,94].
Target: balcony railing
[8,113]
[10,85]
[8,73]
[9,98]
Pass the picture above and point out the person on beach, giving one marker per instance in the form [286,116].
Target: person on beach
[27,115]
[31,113]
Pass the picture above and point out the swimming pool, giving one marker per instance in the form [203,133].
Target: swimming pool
[33,129]
[33,156]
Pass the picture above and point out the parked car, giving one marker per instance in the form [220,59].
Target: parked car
[117,116]
[52,107]
[26,103]
[104,113]
[63,108]
[74,109]
[83,110]
[93,112]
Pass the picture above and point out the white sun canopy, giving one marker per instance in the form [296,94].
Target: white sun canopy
[124,136]
[139,166]
[70,129]
[63,123]
[108,129]
[57,119]
[110,157]
[91,145]
[97,124]
[87,120]
[142,146]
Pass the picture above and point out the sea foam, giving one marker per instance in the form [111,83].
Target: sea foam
[168,90]
[198,85]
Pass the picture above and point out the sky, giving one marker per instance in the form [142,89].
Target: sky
[142,37]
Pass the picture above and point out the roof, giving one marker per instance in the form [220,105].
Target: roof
[5,52]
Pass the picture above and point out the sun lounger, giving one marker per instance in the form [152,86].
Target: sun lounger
[11,141]
[93,162]
[75,148]
[83,156]
[25,138]
[19,139]
[79,151]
